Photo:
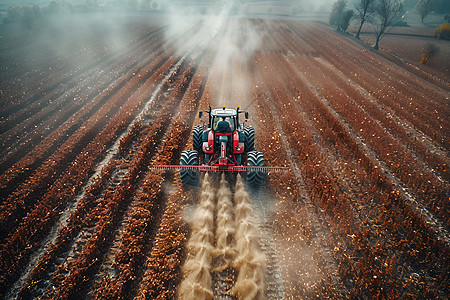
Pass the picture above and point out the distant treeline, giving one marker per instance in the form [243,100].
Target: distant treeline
[442,6]
[31,15]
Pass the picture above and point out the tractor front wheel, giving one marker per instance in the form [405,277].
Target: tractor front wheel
[197,135]
[189,177]
[249,133]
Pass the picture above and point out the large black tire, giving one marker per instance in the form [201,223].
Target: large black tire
[255,179]
[189,177]
[197,134]
[249,132]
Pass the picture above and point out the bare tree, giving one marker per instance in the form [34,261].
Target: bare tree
[340,16]
[337,11]
[424,7]
[387,14]
[365,9]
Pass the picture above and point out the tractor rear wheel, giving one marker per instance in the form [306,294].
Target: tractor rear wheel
[255,178]
[189,177]
[249,132]
[197,135]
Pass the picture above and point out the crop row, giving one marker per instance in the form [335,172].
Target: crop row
[411,99]
[386,142]
[327,191]
[86,214]
[47,209]
[366,87]
[135,243]
[429,191]
[68,106]
[163,268]
[89,115]
[36,280]
[392,207]
[395,128]
[128,244]
[294,221]
[61,74]
[138,233]
[403,163]
[36,224]
[75,130]
[383,198]
[114,203]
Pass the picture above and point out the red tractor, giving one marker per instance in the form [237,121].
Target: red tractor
[223,145]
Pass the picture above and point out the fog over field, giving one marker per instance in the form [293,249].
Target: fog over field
[305,5]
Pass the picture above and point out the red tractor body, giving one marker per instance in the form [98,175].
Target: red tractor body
[222,144]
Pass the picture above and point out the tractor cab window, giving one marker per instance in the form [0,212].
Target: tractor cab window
[223,124]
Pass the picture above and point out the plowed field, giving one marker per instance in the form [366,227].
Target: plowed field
[363,211]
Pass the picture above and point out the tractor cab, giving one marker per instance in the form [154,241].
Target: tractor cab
[222,139]
[223,120]
[218,119]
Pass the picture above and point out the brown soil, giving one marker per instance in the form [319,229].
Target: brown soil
[363,211]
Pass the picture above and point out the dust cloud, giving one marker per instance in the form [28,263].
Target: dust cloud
[250,260]
[226,229]
[222,28]
[196,270]
[233,249]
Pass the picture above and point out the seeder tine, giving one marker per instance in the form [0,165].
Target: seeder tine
[258,169]
[165,168]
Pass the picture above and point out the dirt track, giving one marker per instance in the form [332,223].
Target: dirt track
[363,211]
